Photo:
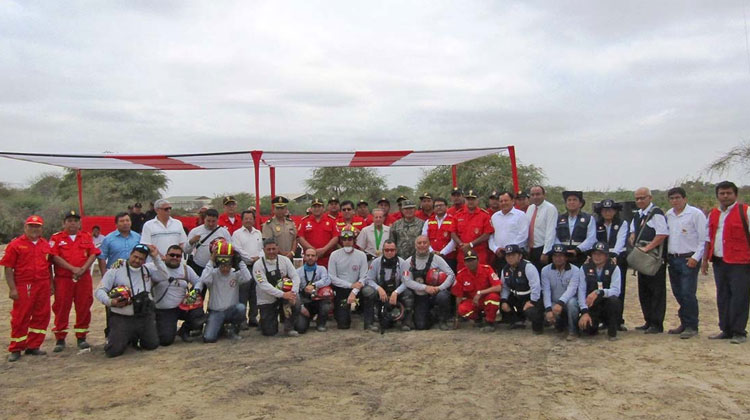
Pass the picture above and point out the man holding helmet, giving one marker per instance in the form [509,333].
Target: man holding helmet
[430,278]
[276,286]
[315,292]
[386,277]
[126,290]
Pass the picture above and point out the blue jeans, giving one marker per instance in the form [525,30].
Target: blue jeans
[573,310]
[216,319]
[684,281]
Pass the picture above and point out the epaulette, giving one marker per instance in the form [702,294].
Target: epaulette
[331,216]
[268,222]
[462,270]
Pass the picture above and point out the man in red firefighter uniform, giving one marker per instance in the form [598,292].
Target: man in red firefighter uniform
[438,229]
[473,229]
[477,289]
[27,272]
[72,252]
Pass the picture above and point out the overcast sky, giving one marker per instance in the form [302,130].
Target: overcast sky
[599,94]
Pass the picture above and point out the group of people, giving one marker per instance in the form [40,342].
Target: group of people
[418,267]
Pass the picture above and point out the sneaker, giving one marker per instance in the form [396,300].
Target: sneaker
[720,336]
[488,328]
[82,344]
[35,352]
[677,330]
[738,339]
[14,356]
[185,336]
[653,330]
[292,333]
[571,337]
[321,328]
[688,333]
[232,335]
[59,346]
[444,326]
[613,338]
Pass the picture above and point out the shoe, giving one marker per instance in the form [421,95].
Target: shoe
[643,327]
[488,328]
[35,352]
[185,336]
[444,326]
[253,324]
[232,335]
[321,328]
[688,333]
[518,325]
[374,328]
[612,338]
[405,328]
[82,344]
[14,356]
[292,333]
[738,339]
[602,326]
[677,330]
[622,328]
[653,330]
[244,326]
[571,337]
[720,336]
[538,332]
[59,346]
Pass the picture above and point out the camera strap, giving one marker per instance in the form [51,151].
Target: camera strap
[143,278]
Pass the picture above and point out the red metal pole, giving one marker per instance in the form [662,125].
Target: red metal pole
[273,182]
[513,168]
[256,154]
[453,174]
[79,180]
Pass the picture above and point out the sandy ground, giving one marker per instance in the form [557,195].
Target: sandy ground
[427,374]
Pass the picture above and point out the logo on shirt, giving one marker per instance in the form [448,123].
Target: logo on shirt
[355,268]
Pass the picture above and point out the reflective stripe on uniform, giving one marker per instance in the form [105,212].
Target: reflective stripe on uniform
[19,339]
[466,315]
[81,330]
[35,331]
[491,302]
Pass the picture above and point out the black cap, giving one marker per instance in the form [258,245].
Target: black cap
[280,201]
[229,199]
[456,191]
[578,194]
[513,249]
[523,194]
[333,200]
[401,198]
[71,214]
[471,194]
[494,194]
[139,205]
[601,247]
[558,249]
[361,202]
[425,195]
[608,204]
[470,255]
[384,200]
[316,202]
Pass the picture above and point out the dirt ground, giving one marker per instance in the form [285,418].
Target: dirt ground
[426,375]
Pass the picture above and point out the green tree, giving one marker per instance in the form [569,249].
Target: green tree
[482,175]
[110,191]
[346,183]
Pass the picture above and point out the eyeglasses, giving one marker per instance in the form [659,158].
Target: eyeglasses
[166,208]
[174,255]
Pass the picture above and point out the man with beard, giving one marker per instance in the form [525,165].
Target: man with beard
[575,229]
[521,298]
[312,281]
[430,294]
[386,276]
[405,231]
[348,270]
[223,275]
[277,284]
[169,293]
[559,286]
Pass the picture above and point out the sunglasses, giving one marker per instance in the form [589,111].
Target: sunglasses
[142,248]
[174,255]
[166,208]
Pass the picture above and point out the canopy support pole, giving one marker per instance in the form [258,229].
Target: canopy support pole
[453,175]
[79,181]
[273,182]
[256,154]
[514,168]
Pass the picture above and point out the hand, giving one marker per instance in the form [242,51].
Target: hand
[382,294]
[118,302]
[557,309]
[357,285]
[304,312]
[544,259]
[78,272]
[394,299]
[528,305]
[195,239]
[290,255]
[549,317]
[475,299]
[153,251]
[584,322]
[320,252]
[465,247]
[352,297]
[692,263]
[432,290]
[704,268]
[591,298]
[309,289]
[290,296]
[644,248]
[505,307]
[13,293]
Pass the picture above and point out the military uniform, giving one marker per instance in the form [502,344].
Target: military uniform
[283,232]
[405,232]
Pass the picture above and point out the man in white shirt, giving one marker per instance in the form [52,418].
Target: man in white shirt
[163,231]
[248,241]
[371,238]
[511,228]
[200,238]
[687,238]
[542,216]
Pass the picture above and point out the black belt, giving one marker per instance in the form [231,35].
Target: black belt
[686,255]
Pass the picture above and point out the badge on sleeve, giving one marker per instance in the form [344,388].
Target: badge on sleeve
[259,276]
[278,228]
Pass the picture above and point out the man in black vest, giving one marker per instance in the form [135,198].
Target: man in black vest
[598,292]
[613,231]
[648,230]
[521,295]
[575,229]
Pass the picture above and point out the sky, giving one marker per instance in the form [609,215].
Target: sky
[600,95]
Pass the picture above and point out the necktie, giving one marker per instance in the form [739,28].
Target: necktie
[531,228]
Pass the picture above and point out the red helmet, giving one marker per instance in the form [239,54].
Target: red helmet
[323,293]
[221,247]
[435,277]
[286,285]
[192,300]
[121,292]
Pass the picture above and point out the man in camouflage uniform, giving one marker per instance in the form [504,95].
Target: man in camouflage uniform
[405,230]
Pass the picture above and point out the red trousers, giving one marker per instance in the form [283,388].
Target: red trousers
[30,316]
[488,304]
[68,292]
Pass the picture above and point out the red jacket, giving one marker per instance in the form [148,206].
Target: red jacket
[224,221]
[29,261]
[441,236]
[734,236]
[468,284]
[74,252]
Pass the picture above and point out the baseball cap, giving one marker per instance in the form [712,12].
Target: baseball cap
[316,202]
[600,247]
[425,195]
[229,199]
[513,249]
[34,220]
[456,191]
[71,214]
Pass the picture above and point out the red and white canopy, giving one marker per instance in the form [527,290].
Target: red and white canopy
[245,159]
